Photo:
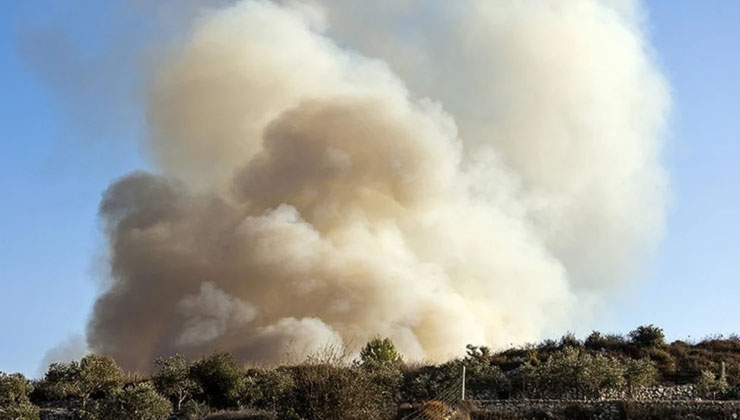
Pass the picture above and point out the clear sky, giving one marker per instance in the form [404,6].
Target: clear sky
[52,172]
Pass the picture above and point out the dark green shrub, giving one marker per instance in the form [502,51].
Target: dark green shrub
[431,382]
[595,341]
[21,411]
[267,388]
[664,360]
[93,377]
[548,345]
[647,336]
[172,379]
[388,381]
[572,369]
[380,352]
[136,402]
[98,376]
[220,380]
[524,381]
[59,383]
[326,392]
[569,340]
[639,373]
[709,386]
[484,380]
[15,404]
[14,389]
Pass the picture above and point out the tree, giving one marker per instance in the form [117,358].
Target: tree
[569,340]
[93,376]
[380,352]
[220,379]
[484,379]
[14,389]
[647,336]
[60,381]
[594,341]
[525,380]
[639,373]
[573,369]
[173,380]
[24,411]
[136,402]
[709,385]
[429,382]
[14,401]
[266,388]
[330,392]
[98,375]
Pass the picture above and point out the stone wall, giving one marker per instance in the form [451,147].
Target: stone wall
[605,410]
[654,393]
[524,409]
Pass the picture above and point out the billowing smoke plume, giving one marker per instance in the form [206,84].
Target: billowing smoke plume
[474,171]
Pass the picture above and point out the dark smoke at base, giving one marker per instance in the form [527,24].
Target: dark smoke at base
[308,199]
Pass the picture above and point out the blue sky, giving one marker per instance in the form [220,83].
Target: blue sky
[52,172]
[51,178]
[694,287]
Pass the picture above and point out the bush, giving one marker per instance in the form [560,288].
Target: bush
[22,411]
[60,383]
[14,389]
[647,336]
[328,388]
[607,342]
[424,383]
[595,341]
[709,386]
[569,340]
[98,376]
[664,360]
[524,381]
[548,346]
[388,382]
[220,380]
[326,392]
[14,398]
[572,370]
[172,379]
[137,402]
[267,388]
[93,377]
[484,380]
[639,373]
[380,352]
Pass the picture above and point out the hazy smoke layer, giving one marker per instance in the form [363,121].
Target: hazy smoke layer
[311,196]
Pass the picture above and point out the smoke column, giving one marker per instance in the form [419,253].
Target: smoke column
[473,171]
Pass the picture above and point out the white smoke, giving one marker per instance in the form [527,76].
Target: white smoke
[440,173]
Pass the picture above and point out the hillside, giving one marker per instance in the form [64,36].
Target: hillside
[637,376]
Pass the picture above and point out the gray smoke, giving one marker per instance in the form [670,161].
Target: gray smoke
[72,348]
[442,174]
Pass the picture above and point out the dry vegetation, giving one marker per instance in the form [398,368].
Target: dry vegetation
[218,387]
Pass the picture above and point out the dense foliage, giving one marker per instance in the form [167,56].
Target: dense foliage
[379,352]
[375,385]
[14,398]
